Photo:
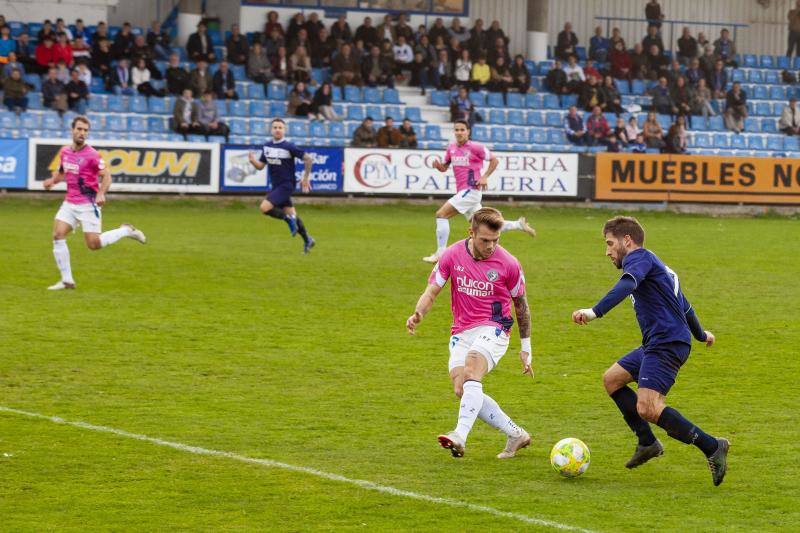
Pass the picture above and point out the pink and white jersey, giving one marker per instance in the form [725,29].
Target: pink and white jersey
[481,291]
[467,160]
[80,169]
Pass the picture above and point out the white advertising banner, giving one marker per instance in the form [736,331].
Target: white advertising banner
[390,171]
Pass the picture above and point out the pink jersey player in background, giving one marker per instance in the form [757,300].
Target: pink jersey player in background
[484,280]
[80,165]
[467,158]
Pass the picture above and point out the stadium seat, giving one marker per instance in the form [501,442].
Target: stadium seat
[791,143]
[737,75]
[755,142]
[351,128]
[784,63]
[440,98]
[259,127]
[767,61]
[372,95]
[497,116]
[499,135]
[157,124]
[755,76]
[138,104]
[30,121]
[98,121]
[518,135]
[35,80]
[277,109]
[17,28]
[580,51]
[276,91]
[761,92]
[195,138]
[556,136]
[117,104]
[623,86]
[298,129]
[516,117]
[480,133]
[637,87]
[222,106]
[502,147]
[738,142]
[259,108]
[433,132]
[396,112]
[337,130]
[239,126]
[239,108]
[551,102]
[175,137]
[776,92]
[137,123]
[568,100]
[98,102]
[414,114]
[721,140]
[515,100]
[356,112]
[752,125]
[702,140]
[537,136]
[374,111]
[317,130]
[553,119]
[775,143]
[750,61]
[665,121]
[157,105]
[352,94]
[478,98]
[771,77]
[763,108]
[531,101]
[716,123]
[496,100]
[535,118]
[391,96]
[116,123]
[255,91]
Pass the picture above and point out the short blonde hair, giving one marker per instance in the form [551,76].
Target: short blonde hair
[489,217]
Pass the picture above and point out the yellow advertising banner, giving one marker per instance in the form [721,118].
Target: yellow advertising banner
[691,178]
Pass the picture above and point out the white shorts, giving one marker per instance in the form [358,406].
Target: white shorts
[81,214]
[489,341]
[467,202]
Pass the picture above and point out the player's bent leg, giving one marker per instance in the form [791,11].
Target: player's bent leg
[521,224]
[443,216]
[92,240]
[308,240]
[61,255]
[470,405]
[615,378]
[457,379]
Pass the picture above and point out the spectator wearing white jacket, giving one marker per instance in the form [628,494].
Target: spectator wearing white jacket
[790,118]
[140,79]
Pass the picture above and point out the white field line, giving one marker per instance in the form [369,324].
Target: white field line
[361,483]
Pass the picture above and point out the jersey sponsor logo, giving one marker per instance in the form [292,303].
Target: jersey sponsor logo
[492,275]
[273,161]
[276,153]
[71,167]
[460,160]
[473,287]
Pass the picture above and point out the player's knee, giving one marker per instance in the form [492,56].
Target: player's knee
[94,244]
[647,410]
[611,381]
[459,390]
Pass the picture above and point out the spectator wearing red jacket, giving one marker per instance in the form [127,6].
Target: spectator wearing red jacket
[597,127]
[63,50]
[621,63]
[45,55]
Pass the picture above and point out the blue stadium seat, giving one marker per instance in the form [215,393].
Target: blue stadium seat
[414,114]
[372,95]
[239,72]
[175,137]
[755,76]
[137,123]
[158,105]
[496,100]
[440,98]
[738,142]
[531,101]
[537,136]
[499,135]
[771,77]
[352,94]
[776,92]
[433,132]
[755,142]
[222,106]
[396,112]
[774,143]
[535,118]
[259,108]
[116,123]
[502,147]
[553,119]
[750,61]
[97,85]
[665,121]
[516,117]
[478,98]
[791,143]
[117,104]
[637,87]
[138,103]
[356,112]
[518,135]
[391,96]
[556,136]
[769,125]
[239,108]
[259,127]
[52,121]
[480,133]
[763,108]
[157,124]
[375,111]
[98,121]
[721,140]
[276,91]
[255,91]
[298,129]
[339,109]
[752,125]
[30,121]
[238,126]
[515,100]
[737,75]
[784,63]
[34,80]
[580,51]
[569,100]
[623,86]
[337,130]
[98,102]
[702,140]
[717,123]
[317,130]
[337,93]
[17,28]
[196,138]
[767,61]
[551,102]
[497,116]
[761,92]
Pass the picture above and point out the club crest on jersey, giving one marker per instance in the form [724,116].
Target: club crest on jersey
[492,275]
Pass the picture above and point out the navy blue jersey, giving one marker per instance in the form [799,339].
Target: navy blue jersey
[279,157]
[658,301]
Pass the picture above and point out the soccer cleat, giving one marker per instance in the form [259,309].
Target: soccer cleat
[527,228]
[644,454]
[309,245]
[452,442]
[60,286]
[135,234]
[292,225]
[718,462]
[433,258]
[514,444]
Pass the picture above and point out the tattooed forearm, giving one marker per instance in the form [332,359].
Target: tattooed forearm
[523,316]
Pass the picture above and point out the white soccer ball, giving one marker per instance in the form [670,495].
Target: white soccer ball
[570,457]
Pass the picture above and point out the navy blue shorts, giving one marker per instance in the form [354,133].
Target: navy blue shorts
[656,367]
[281,196]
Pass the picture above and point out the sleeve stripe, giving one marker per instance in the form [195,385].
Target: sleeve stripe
[440,281]
[635,281]
[515,290]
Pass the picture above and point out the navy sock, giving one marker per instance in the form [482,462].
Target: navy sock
[625,399]
[681,429]
[301,229]
[276,213]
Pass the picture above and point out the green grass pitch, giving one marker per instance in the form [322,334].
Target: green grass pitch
[220,334]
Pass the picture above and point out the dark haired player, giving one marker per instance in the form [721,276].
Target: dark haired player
[466,157]
[278,154]
[80,165]
[668,323]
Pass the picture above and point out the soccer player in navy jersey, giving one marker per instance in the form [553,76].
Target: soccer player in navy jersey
[279,154]
[668,323]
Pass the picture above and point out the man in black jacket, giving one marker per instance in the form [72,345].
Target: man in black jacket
[224,84]
[367,33]
[177,76]
[566,42]
[199,45]
[237,46]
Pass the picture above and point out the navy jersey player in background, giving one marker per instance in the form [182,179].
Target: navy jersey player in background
[668,324]
[278,154]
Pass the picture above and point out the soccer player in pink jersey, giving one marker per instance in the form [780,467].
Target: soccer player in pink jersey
[484,280]
[80,166]
[467,158]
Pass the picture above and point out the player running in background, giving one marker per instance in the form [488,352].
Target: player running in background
[80,166]
[484,280]
[668,323]
[467,159]
[278,154]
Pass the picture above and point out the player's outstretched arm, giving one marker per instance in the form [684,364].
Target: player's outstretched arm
[523,312]
[255,162]
[697,330]
[55,177]
[483,183]
[624,287]
[308,163]
[424,305]
[105,183]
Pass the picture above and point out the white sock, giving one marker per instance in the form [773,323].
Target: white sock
[495,417]
[511,226]
[442,234]
[471,403]
[61,253]
[110,237]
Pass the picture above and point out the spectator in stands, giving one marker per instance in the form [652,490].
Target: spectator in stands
[481,74]
[421,30]
[683,96]
[640,62]
[794,30]
[662,98]
[789,122]
[620,132]
[632,130]
[498,50]
[300,65]
[237,47]
[573,127]
[556,79]
[420,72]
[701,103]
[676,140]
[386,30]
[297,23]
[402,29]
[46,31]
[324,48]
[444,76]
[101,61]
[408,137]
[708,61]
[199,46]
[301,39]
[566,43]
[694,73]
[185,115]
[299,101]
[376,70]
[597,128]
[12,64]
[77,93]
[725,49]
[610,97]
[454,50]
[463,68]
[673,73]
[200,79]
[638,146]
[364,135]
[62,50]
[616,37]
[62,72]
[575,75]
[61,27]
[80,31]
[494,32]
[123,42]
[273,43]
[322,104]
[501,78]
[658,64]
[80,50]
[614,143]
[653,39]
[345,68]
[367,33]
[45,55]
[590,95]
[438,30]
[259,69]
[702,41]
[589,71]
[273,24]
[84,74]
[7,44]
[15,92]
[462,108]
[280,65]
[735,108]
[599,46]
[159,42]
[54,94]
[359,52]
[340,31]
[140,79]
[313,27]
[100,33]
[439,44]
[208,117]
[403,55]
[477,42]
[223,84]
[520,77]
[120,78]
[687,47]
[621,65]
[718,80]
[652,132]
[176,75]
[388,135]
[24,54]
[653,13]
[424,46]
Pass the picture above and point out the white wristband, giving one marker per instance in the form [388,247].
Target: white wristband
[589,314]
[526,344]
